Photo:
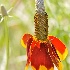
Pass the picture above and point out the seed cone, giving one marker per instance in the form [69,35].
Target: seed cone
[41,26]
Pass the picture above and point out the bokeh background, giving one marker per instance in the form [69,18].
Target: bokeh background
[22,21]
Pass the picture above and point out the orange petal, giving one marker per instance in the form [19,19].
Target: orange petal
[25,39]
[60,47]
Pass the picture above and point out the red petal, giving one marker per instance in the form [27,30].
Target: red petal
[26,42]
[60,47]
[26,37]
[57,43]
[40,57]
[35,43]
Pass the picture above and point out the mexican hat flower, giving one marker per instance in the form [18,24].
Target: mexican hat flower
[44,54]
[43,51]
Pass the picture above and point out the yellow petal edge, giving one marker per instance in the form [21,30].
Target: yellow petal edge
[22,43]
[42,67]
[60,67]
[63,56]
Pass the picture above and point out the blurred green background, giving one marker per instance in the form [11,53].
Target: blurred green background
[22,21]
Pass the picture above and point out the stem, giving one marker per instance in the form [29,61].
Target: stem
[39,6]
[7,42]
[41,21]
[5,16]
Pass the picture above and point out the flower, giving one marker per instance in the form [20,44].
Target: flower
[43,51]
[43,55]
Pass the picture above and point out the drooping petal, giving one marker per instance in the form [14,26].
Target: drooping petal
[25,39]
[60,47]
[40,57]
[54,56]
[26,42]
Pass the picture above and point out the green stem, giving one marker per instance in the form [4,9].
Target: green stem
[5,16]
[7,41]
